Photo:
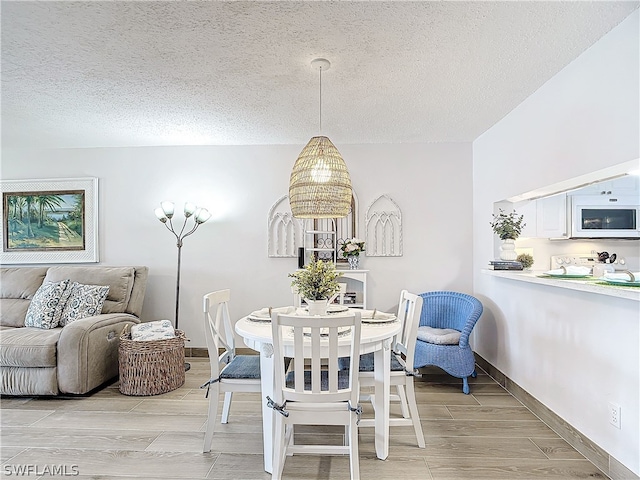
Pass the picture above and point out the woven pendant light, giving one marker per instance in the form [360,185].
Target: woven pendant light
[320,186]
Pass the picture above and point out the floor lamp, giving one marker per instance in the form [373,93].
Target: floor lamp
[165,214]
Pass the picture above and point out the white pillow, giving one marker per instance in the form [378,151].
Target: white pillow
[47,304]
[439,336]
[84,301]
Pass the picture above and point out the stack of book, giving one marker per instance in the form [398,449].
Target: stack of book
[505,265]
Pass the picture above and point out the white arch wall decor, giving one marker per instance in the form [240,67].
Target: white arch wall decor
[285,232]
[383,228]
[347,227]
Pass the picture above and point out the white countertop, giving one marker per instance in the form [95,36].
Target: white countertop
[631,293]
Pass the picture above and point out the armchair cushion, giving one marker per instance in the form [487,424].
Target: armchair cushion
[439,336]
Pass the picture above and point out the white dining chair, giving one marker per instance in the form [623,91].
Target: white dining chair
[229,372]
[315,395]
[402,371]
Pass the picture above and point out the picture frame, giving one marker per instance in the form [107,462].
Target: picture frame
[49,221]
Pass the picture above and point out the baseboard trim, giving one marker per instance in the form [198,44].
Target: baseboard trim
[592,452]
[204,353]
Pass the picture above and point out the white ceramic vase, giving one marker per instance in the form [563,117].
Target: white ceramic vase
[353,260]
[508,250]
[317,307]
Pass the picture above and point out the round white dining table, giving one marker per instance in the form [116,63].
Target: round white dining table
[375,337]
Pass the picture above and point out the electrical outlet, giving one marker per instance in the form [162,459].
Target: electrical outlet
[614,415]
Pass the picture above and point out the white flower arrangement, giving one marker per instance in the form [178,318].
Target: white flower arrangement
[352,247]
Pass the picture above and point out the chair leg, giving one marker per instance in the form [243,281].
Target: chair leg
[226,406]
[214,392]
[279,449]
[403,401]
[354,459]
[474,374]
[465,386]
[413,408]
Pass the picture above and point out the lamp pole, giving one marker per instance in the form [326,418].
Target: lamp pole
[165,214]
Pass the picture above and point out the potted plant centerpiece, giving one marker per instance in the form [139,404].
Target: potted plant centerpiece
[508,226]
[351,250]
[317,282]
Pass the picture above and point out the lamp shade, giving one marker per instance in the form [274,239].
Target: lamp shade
[320,186]
[202,215]
[167,208]
[189,209]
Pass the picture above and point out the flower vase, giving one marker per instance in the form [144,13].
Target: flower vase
[508,250]
[353,262]
[317,307]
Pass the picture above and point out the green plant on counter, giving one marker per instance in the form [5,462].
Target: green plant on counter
[525,259]
[507,225]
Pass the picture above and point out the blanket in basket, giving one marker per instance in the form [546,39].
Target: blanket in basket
[157,330]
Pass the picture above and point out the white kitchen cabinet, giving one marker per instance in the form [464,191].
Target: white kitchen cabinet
[627,185]
[545,217]
[551,217]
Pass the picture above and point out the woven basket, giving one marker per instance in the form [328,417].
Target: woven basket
[151,367]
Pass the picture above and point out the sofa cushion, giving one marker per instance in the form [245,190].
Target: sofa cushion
[13,311]
[119,279]
[84,301]
[29,347]
[18,285]
[29,381]
[47,305]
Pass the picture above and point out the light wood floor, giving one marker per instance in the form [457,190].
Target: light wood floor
[485,435]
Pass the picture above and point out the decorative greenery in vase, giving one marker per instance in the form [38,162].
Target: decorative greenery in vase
[525,259]
[507,225]
[352,247]
[317,281]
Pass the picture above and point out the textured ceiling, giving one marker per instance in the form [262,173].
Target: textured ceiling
[83,74]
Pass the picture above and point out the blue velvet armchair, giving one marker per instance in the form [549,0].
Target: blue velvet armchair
[449,310]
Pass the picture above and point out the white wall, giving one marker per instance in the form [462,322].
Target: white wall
[430,183]
[573,351]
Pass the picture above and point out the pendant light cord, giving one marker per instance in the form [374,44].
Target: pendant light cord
[320,99]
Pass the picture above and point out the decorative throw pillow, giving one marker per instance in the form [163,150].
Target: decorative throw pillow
[439,336]
[47,305]
[84,301]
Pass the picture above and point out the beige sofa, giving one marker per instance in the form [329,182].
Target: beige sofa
[78,357]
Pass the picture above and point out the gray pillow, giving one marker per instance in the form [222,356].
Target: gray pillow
[84,301]
[47,305]
[439,336]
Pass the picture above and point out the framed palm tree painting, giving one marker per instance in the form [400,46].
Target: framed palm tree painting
[49,221]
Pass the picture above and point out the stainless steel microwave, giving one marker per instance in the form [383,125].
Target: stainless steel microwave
[605,216]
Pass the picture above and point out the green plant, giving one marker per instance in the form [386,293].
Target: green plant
[507,225]
[317,280]
[525,259]
[352,247]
